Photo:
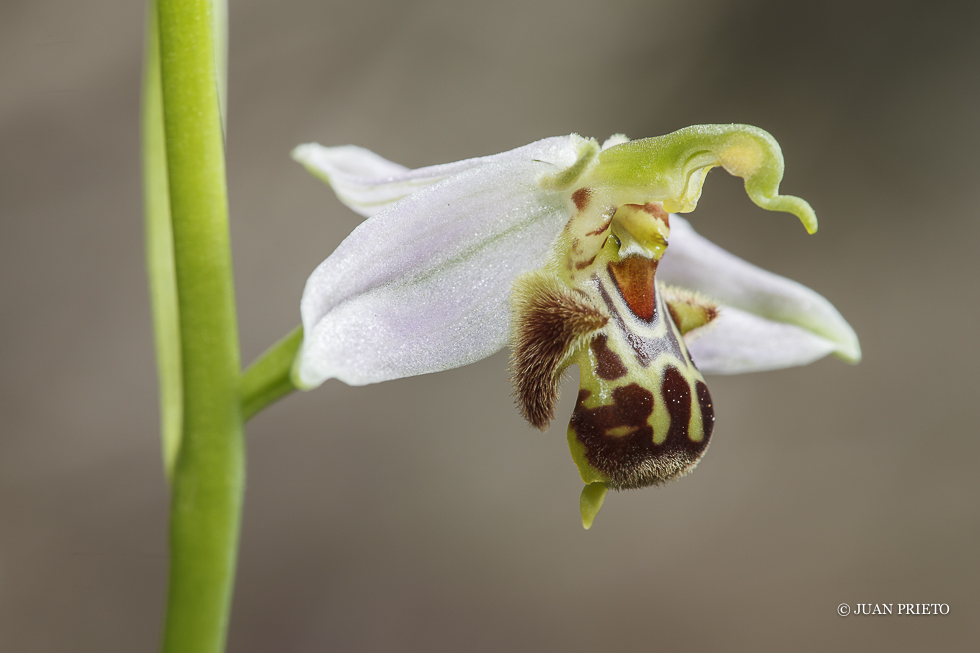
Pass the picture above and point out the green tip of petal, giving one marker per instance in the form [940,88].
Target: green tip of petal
[671,168]
[593,495]
[848,346]
[588,150]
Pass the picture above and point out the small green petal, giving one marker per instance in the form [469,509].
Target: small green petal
[671,168]
[593,495]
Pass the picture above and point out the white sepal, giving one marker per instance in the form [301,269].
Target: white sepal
[369,183]
[424,285]
[766,321]
[738,342]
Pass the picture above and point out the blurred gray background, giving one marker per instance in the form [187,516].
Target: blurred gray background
[423,514]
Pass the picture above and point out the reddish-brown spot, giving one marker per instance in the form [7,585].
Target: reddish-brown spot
[635,278]
[598,230]
[608,365]
[631,407]
[581,265]
[677,396]
[656,209]
[581,197]
[641,346]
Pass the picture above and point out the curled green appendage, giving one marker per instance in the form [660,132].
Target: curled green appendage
[671,168]
[593,495]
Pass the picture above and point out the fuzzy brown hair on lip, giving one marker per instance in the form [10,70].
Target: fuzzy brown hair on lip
[550,321]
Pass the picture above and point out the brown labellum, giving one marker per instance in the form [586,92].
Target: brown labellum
[619,440]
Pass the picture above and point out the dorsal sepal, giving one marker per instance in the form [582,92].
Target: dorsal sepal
[671,169]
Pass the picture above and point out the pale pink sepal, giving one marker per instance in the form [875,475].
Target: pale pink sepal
[424,285]
[766,321]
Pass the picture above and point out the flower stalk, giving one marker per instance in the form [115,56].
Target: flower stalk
[206,451]
[268,379]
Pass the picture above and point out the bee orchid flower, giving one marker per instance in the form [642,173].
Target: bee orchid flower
[570,253]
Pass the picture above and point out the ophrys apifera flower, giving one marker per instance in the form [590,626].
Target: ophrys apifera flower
[567,251]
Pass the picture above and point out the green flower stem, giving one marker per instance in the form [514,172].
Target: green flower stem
[160,250]
[267,379]
[208,479]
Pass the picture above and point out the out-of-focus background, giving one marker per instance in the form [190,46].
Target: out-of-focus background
[423,514]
